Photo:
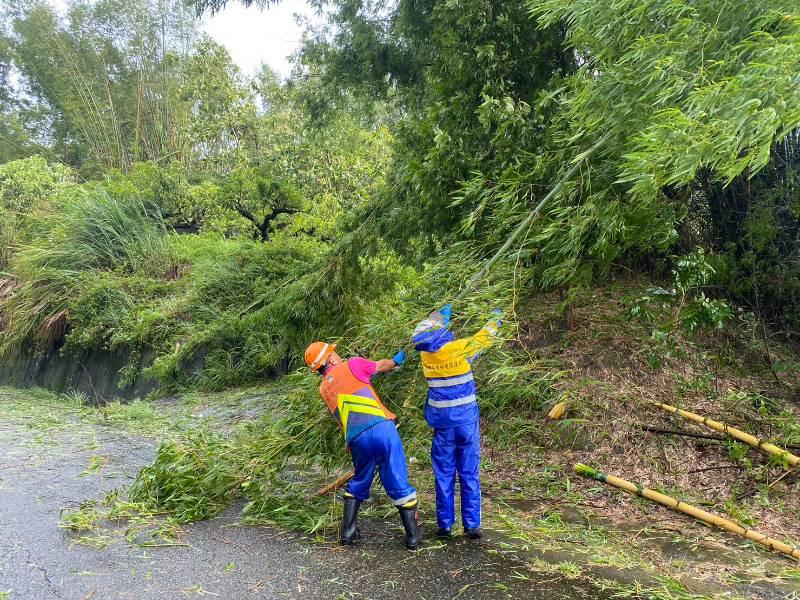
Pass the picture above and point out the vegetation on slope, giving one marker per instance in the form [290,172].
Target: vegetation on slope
[229,220]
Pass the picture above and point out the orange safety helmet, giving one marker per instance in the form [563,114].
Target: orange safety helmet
[317,354]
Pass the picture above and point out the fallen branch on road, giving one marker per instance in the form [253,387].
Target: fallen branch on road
[334,485]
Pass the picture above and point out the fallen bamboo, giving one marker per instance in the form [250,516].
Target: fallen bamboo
[738,434]
[524,224]
[688,509]
[681,433]
[335,485]
[692,434]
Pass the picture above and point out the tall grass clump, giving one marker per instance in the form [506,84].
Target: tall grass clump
[97,230]
[90,232]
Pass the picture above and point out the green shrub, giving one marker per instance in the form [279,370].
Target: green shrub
[91,232]
[27,190]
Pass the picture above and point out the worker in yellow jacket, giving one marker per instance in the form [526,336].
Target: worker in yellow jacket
[452,411]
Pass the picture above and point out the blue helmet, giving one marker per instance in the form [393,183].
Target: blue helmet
[433,333]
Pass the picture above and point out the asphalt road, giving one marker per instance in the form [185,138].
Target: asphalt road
[41,474]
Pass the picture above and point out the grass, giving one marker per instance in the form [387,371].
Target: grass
[45,412]
[114,519]
[568,569]
[667,589]
[93,231]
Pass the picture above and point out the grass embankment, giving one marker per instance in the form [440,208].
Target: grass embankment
[615,368]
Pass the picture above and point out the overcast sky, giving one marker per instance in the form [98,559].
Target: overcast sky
[252,35]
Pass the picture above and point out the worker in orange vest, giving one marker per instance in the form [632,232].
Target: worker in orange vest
[369,433]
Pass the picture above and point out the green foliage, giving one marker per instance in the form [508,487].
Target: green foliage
[702,313]
[82,520]
[100,87]
[260,199]
[689,80]
[464,76]
[214,6]
[738,453]
[102,232]
[167,187]
[189,477]
[198,474]
[221,108]
[92,232]
[27,190]
[681,87]
[683,307]
[210,319]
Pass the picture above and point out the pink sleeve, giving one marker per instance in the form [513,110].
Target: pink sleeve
[362,368]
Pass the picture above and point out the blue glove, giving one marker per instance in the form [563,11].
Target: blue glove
[399,358]
[498,313]
[446,311]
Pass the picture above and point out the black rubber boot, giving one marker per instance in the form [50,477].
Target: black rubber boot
[444,533]
[410,517]
[350,532]
[473,533]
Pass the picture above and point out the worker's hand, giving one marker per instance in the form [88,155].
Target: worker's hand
[446,311]
[399,358]
[497,313]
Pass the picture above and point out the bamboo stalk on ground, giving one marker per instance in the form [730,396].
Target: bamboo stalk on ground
[738,434]
[335,485]
[688,509]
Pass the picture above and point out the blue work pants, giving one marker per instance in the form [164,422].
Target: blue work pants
[380,446]
[457,450]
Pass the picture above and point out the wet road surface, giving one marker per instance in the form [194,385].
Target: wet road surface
[42,473]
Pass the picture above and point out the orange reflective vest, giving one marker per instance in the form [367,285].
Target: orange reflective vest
[354,404]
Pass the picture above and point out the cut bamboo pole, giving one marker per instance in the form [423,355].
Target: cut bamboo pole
[738,434]
[688,509]
[335,485]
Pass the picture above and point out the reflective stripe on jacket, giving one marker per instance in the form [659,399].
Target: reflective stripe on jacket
[452,393]
[355,405]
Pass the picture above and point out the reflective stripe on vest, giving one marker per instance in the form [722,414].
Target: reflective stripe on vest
[437,383]
[451,403]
